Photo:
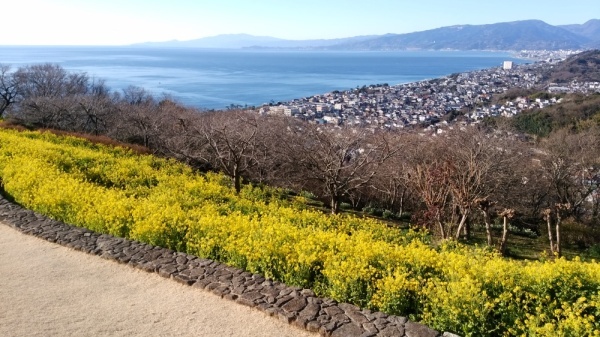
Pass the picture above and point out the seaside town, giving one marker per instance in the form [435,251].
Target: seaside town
[433,104]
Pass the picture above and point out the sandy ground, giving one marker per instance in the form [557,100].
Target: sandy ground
[51,290]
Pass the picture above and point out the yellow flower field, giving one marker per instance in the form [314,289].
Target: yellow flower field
[465,290]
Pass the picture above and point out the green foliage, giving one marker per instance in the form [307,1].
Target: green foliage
[345,206]
[576,112]
[593,252]
[537,123]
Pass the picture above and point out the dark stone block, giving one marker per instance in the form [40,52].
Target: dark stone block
[391,331]
[398,320]
[251,296]
[368,334]
[202,283]
[212,285]
[327,329]
[370,327]
[356,317]
[287,317]
[167,271]
[310,311]
[381,323]
[300,322]
[323,319]
[314,300]
[231,297]
[285,292]
[245,302]
[307,293]
[313,326]
[348,330]
[332,311]
[341,318]
[181,260]
[283,300]
[221,290]
[347,307]
[269,291]
[273,311]
[263,306]
[295,305]
[412,329]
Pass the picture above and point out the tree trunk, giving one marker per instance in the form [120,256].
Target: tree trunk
[237,182]
[488,229]
[549,221]
[504,236]
[401,208]
[441,226]
[442,231]
[463,219]
[467,229]
[335,205]
[558,250]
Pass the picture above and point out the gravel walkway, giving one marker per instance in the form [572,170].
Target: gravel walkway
[50,290]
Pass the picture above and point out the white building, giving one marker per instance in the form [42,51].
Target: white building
[507,65]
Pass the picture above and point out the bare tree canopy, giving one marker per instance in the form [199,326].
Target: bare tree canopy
[8,88]
[337,161]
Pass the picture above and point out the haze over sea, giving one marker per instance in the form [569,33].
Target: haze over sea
[215,79]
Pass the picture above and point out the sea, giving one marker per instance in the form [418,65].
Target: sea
[217,79]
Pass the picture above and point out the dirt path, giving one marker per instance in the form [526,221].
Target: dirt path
[51,290]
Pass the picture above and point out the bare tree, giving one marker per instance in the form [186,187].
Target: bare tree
[460,170]
[570,164]
[485,205]
[141,118]
[95,113]
[476,162]
[50,80]
[547,215]
[431,181]
[181,135]
[8,88]
[560,210]
[232,143]
[134,95]
[46,95]
[506,215]
[391,183]
[338,161]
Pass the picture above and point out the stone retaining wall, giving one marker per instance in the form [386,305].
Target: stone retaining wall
[296,306]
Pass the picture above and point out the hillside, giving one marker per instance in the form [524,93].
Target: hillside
[583,67]
[469,291]
[575,113]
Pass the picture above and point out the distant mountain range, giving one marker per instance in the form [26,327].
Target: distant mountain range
[238,41]
[517,35]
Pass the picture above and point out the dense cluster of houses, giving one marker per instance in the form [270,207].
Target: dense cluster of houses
[430,102]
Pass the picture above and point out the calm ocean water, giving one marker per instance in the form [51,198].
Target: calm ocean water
[215,79]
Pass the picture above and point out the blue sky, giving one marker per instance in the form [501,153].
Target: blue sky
[118,22]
